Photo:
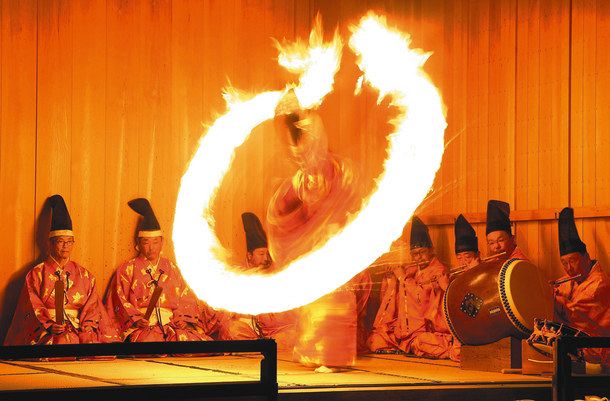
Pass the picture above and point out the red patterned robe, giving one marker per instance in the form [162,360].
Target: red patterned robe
[84,315]
[129,295]
[586,306]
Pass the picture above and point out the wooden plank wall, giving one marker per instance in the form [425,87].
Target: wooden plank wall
[105,100]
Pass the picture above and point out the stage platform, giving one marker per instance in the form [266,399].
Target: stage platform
[375,377]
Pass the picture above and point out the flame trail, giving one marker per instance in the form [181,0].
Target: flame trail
[414,155]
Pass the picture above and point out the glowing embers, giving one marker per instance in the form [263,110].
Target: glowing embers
[414,153]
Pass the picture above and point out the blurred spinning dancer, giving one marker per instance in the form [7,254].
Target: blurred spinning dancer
[305,211]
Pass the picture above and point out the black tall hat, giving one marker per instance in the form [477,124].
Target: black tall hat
[255,235]
[149,226]
[569,241]
[465,236]
[61,223]
[419,234]
[498,219]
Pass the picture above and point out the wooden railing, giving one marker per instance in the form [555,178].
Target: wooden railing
[518,215]
[569,386]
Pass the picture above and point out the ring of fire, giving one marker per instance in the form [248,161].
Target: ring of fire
[414,153]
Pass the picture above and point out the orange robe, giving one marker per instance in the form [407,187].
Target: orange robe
[84,315]
[428,334]
[390,324]
[518,254]
[328,327]
[129,295]
[586,306]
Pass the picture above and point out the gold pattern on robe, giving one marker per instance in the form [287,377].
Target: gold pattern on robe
[76,297]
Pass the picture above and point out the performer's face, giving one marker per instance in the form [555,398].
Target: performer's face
[150,248]
[468,258]
[500,241]
[259,258]
[576,263]
[421,254]
[61,247]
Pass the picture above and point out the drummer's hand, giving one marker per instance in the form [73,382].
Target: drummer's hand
[142,323]
[58,328]
[87,329]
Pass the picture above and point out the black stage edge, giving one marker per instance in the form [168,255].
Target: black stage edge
[568,386]
[266,387]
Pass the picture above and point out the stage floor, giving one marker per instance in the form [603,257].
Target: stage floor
[384,377]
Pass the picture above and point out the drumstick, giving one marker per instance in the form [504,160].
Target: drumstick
[153,302]
[59,302]
[555,283]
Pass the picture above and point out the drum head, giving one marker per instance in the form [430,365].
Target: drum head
[525,294]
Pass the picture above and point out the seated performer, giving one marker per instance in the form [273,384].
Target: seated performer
[584,301]
[425,286]
[410,316]
[148,298]
[468,256]
[59,303]
[499,234]
[466,244]
[279,326]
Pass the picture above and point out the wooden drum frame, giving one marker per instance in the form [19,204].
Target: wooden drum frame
[497,299]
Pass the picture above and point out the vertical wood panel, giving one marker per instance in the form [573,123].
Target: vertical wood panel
[553,139]
[123,123]
[54,113]
[158,170]
[17,149]
[88,126]
[602,124]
